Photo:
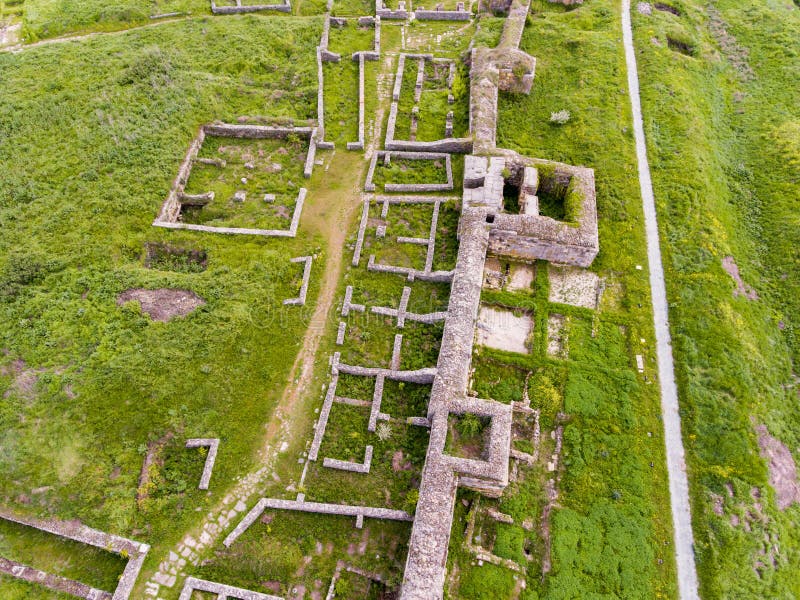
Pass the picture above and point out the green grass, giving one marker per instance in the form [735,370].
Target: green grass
[51,18]
[402,170]
[608,492]
[59,556]
[722,130]
[76,209]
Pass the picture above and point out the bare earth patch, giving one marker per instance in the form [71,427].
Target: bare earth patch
[732,269]
[162,304]
[521,277]
[782,469]
[573,285]
[502,330]
[493,274]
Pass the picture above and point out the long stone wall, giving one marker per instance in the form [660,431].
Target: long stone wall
[222,591]
[248,8]
[359,144]
[442,15]
[58,584]
[322,508]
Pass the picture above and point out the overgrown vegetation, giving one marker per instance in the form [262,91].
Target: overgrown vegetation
[722,130]
[86,384]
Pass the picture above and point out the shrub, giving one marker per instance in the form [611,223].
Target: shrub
[560,117]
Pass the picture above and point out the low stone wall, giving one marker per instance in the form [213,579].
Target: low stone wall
[256,131]
[362,228]
[448,145]
[442,15]
[360,512]
[324,414]
[392,15]
[347,304]
[245,8]
[411,274]
[301,297]
[415,376]
[398,77]
[308,168]
[359,145]
[58,584]
[223,591]
[213,445]
[78,532]
[353,467]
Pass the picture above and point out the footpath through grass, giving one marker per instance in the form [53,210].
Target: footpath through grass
[609,534]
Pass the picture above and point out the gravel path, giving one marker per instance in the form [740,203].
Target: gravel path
[676,464]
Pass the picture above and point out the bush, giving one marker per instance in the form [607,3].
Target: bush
[19,271]
[560,117]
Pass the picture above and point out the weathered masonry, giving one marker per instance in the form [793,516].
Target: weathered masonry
[487,228]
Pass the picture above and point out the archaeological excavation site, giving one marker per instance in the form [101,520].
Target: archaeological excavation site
[480,300]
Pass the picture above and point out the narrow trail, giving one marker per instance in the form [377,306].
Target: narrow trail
[676,462]
[334,229]
[329,215]
[85,36]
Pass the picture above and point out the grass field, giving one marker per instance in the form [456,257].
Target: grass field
[51,18]
[92,135]
[721,116]
[612,477]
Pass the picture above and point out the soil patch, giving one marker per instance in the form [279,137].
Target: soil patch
[732,269]
[667,8]
[25,379]
[680,46]
[782,469]
[521,278]
[574,286]
[501,329]
[162,304]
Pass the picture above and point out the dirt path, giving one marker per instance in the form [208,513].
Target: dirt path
[328,214]
[676,462]
[84,36]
